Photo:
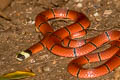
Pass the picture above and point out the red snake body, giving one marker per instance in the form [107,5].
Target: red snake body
[72,48]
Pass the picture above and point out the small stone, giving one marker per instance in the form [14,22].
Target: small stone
[28,68]
[76,0]
[96,14]
[3,58]
[39,69]
[19,62]
[61,57]
[80,0]
[23,33]
[32,61]
[79,5]
[66,0]
[109,2]
[98,18]
[31,22]
[46,69]
[12,69]
[54,62]
[98,0]
[107,12]
[44,56]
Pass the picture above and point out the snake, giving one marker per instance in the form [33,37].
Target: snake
[64,42]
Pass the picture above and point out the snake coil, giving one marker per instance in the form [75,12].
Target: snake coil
[73,48]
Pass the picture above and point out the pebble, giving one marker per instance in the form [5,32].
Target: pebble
[23,33]
[96,14]
[98,0]
[59,71]
[39,69]
[46,69]
[78,0]
[44,56]
[79,5]
[54,62]
[20,1]
[3,58]
[31,22]
[66,0]
[107,12]
[32,61]
[81,0]
[12,69]
[98,18]
[63,68]
[29,10]
[109,2]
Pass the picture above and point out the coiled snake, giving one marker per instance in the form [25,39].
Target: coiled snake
[72,48]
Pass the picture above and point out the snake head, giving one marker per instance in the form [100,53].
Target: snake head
[22,55]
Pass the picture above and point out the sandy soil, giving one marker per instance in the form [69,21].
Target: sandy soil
[19,34]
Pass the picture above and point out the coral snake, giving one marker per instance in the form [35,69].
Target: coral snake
[62,42]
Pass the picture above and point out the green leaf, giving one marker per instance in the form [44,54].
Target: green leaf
[18,75]
[3,78]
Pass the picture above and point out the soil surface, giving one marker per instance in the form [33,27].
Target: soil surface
[19,34]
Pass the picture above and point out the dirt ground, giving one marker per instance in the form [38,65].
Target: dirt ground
[19,34]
